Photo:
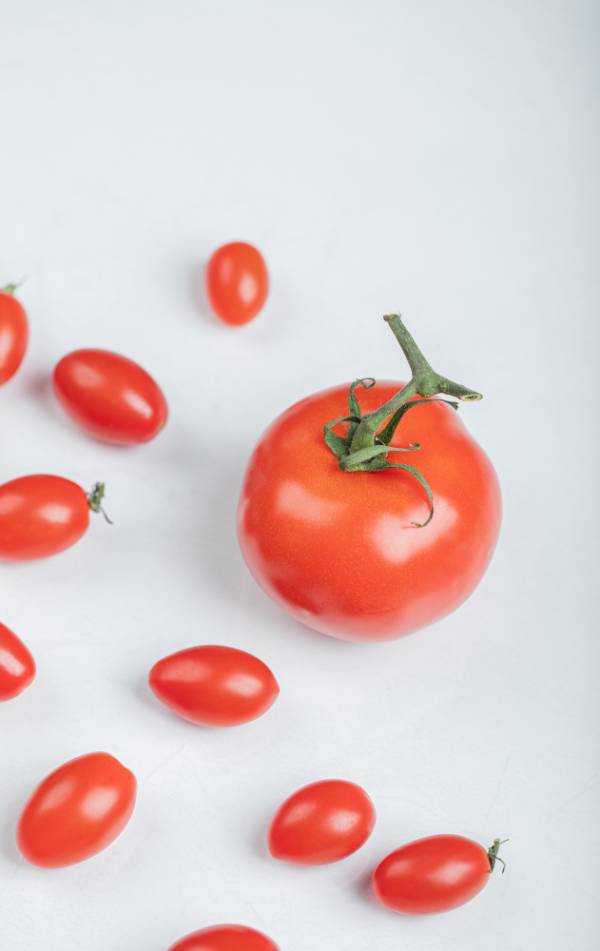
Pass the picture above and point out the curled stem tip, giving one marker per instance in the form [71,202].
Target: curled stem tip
[95,499]
[493,856]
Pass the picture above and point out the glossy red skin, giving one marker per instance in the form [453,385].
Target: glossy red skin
[14,335]
[237,282]
[337,550]
[77,811]
[40,515]
[225,938]
[431,875]
[17,666]
[322,822]
[214,685]
[110,397]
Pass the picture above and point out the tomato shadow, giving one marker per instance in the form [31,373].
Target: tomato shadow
[196,291]
[8,845]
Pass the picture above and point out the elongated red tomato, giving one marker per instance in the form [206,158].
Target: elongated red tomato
[339,550]
[76,811]
[17,666]
[41,515]
[434,874]
[214,685]
[225,938]
[322,822]
[14,334]
[237,282]
[110,396]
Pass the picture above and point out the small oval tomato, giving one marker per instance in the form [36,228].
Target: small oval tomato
[14,334]
[225,938]
[322,822]
[110,396]
[214,685]
[76,811]
[433,874]
[17,666]
[41,515]
[237,282]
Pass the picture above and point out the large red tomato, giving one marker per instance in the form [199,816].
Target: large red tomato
[110,396]
[14,333]
[76,811]
[225,938]
[322,822]
[339,550]
[17,666]
[434,874]
[213,685]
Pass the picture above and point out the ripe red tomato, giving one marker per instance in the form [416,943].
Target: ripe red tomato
[17,666]
[225,938]
[14,334]
[110,396]
[321,822]
[76,811]
[337,549]
[41,515]
[433,874]
[237,282]
[214,685]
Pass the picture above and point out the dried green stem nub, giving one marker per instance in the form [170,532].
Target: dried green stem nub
[493,856]
[95,499]
[368,437]
[11,288]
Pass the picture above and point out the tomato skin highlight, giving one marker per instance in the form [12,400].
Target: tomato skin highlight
[40,515]
[322,822]
[14,335]
[17,666]
[110,396]
[76,811]
[336,549]
[225,938]
[213,685]
[431,875]
[237,282]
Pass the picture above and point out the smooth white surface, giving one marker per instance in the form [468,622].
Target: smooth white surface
[439,158]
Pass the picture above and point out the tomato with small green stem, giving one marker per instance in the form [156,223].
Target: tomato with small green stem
[225,938]
[323,822]
[41,515]
[77,811]
[237,282]
[368,511]
[14,333]
[17,666]
[214,685]
[110,396]
[434,874]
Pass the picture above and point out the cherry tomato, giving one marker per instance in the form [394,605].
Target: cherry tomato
[337,549]
[76,811]
[110,396]
[14,334]
[225,938]
[322,822]
[434,874]
[17,666]
[214,685]
[237,282]
[41,515]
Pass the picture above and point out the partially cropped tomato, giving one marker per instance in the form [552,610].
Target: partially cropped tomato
[41,515]
[76,811]
[434,874]
[322,822]
[14,333]
[225,938]
[214,685]
[237,282]
[17,666]
[110,397]
[381,540]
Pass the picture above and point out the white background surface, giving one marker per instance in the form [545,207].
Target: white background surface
[437,158]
